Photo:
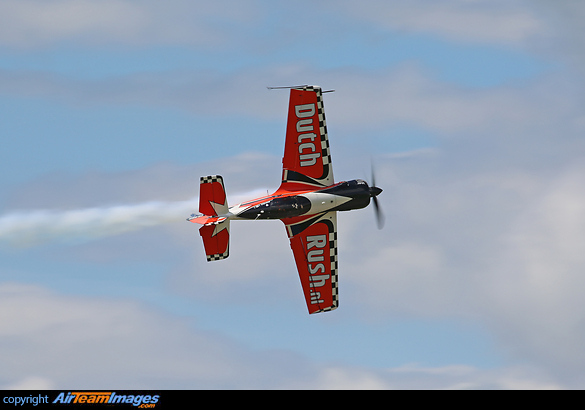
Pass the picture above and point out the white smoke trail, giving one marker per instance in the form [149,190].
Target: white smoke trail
[41,226]
[29,228]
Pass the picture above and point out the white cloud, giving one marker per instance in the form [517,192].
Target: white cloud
[477,21]
[566,34]
[536,283]
[93,343]
[402,95]
[37,23]
[59,341]
[31,22]
[461,377]
[400,278]
[30,383]
[502,249]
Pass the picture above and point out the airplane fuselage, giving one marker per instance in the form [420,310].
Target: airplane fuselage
[343,196]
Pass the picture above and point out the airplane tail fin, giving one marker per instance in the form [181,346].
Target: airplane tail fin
[215,231]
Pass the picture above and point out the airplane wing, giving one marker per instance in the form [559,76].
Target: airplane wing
[307,160]
[313,241]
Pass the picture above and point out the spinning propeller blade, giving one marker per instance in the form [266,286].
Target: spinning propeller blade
[374,192]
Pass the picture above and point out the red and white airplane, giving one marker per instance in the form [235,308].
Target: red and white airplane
[307,202]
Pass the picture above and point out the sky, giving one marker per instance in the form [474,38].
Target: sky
[471,112]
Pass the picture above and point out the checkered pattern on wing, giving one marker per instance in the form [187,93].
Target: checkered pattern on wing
[326,154]
[334,264]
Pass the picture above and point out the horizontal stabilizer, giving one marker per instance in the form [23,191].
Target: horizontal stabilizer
[212,197]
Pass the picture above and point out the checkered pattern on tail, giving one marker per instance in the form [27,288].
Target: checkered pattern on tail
[212,197]
[218,256]
[211,178]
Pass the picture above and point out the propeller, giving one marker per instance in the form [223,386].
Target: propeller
[374,192]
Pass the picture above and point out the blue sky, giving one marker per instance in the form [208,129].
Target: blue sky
[471,111]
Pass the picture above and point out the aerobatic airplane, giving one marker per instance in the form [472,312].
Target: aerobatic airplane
[307,202]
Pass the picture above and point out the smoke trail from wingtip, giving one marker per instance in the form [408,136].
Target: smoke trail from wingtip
[30,228]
